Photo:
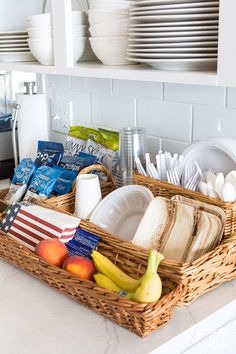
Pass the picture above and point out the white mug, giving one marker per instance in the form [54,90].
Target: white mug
[87,196]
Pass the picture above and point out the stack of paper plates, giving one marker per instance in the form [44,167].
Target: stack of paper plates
[174,34]
[14,46]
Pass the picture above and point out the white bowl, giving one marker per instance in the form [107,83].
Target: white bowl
[40,32]
[117,28]
[79,45]
[80,30]
[78,18]
[122,210]
[111,51]
[42,50]
[108,4]
[39,20]
[98,16]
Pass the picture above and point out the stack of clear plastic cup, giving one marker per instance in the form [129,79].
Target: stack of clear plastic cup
[132,144]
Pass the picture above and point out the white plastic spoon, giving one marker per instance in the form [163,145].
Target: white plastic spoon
[228,193]
[219,183]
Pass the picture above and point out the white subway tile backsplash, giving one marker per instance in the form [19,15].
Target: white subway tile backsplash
[81,111]
[195,94]
[173,146]
[98,85]
[138,88]
[78,83]
[165,119]
[153,146]
[231,98]
[213,121]
[112,111]
[59,81]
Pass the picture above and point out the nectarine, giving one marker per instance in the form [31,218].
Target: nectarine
[82,267]
[53,251]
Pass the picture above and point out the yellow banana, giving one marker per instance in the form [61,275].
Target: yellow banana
[104,282]
[150,287]
[106,267]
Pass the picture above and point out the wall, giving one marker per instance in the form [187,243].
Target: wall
[173,115]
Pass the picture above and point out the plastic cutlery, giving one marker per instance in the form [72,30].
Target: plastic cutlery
[219,184]
[228,193]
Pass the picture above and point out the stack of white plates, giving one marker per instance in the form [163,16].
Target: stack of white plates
[14,46]
[174,34]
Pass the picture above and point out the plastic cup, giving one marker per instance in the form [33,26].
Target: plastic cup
[87,196]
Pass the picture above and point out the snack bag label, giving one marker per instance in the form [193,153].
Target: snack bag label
[83,243]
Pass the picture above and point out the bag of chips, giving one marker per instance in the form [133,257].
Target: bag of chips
[49,153]
[42,183]
[20,181]
[78,163]
[76,141]
[64,183]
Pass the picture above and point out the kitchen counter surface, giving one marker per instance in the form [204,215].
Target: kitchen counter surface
[35,319]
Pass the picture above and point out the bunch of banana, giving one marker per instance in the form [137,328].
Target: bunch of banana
[110,277]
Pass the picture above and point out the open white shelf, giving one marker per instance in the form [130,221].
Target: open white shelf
[63,55]
[127,72]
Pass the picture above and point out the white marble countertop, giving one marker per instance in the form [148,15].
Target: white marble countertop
[36,319]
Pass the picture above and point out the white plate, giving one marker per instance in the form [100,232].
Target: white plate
[172,55]
[179,23]
[172,50]
[173,28]
[174,45]
[200,10]
[173,34]
[19,50]
[181,64]
[122,210]
[16,56]
[11,45]
[166,18]
[13,33]
[212,153]
[164,2]
[184,4]
[173,39]
[14,38]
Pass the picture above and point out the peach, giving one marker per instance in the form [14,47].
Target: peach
[53,251]
[82,267]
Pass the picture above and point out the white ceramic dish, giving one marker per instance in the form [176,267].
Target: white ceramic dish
[42,50]
[107,4]
[171,24]
[80,31]
[184,4]
[117,28]
[189,45]
[173,34]
[218,154]
[122,210]
[17,56]
[166,18]
[99,16]
[13,33]
[202,10]
[79,46]
[158,29]
[78,18]
[15,49]
[111,51]
[173,39]
[173,50]
[14,45]
[180,64]
[172,55]
[165,2]
[40,32]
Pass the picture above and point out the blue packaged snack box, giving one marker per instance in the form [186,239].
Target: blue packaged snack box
[77,163]
[64,183]
[83,243]
[49,153]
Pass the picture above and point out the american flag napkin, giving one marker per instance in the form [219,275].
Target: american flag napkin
[28,224]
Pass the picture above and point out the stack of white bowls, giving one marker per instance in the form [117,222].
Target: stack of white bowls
[41,36]
[108,21]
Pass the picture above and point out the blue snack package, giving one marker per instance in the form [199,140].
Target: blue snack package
[77,163]
[49,153]
[83,243]
[20,181]
[23,172]
[64,183]
[42,183]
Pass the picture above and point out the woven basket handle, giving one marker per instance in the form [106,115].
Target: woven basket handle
[98,168]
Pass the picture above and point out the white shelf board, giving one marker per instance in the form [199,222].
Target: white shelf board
[127,72]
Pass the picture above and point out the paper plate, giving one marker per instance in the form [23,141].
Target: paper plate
[122,210]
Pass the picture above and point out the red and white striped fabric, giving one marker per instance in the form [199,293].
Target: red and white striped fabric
[29,224]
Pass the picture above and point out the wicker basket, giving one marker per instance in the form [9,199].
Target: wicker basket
[66,202]
[168,190]
[210,270]
[141,319]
